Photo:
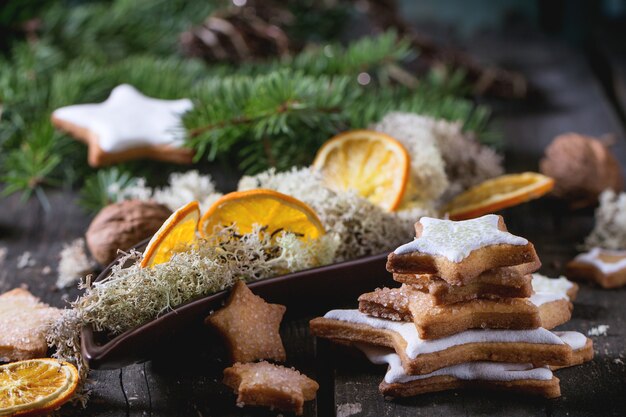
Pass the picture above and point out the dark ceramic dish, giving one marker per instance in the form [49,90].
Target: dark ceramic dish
[305,293]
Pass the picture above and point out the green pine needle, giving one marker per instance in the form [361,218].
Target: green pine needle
[104,187]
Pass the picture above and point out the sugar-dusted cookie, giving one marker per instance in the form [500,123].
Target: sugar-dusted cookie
[419,356]
[496,283]
[249,326]
[128,125]
[269,385]
[23,321]
[605,267]
[513,377]
[460,251]
[434,321]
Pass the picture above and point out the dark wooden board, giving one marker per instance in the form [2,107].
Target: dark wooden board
[573,101]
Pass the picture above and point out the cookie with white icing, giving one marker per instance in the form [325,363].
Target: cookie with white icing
[546,310]
[605,267]
[514,377]
[560,285]
[128,125]
[459,251]
[421,356]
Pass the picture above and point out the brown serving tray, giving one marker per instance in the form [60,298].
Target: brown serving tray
[305,293]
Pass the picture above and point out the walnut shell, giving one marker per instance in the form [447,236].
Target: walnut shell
[582,168]
[123,225]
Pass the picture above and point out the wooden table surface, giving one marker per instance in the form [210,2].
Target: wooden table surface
[189,385]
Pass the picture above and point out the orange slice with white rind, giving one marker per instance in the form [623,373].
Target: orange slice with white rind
[498,193]
[36,386]
[373,164]
[269,209]
[178,231]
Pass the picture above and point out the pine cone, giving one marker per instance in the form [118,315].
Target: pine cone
[122,225]
[582,168]
[239,34]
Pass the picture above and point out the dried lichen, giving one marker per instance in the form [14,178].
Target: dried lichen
[428,178]
[609,231]
[181,189]
[131,295]
[361,228]
[466,162]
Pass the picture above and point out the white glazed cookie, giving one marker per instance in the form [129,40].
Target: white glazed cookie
[605,267]
[459,251]
[487,371]
[607,261]
[455,240]
[516,377]
[128,125]
[417,346]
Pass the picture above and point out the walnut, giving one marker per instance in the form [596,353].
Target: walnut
[582,168]
[122,225]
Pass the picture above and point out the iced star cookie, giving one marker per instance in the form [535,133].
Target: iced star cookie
[605,267]
[128,125]
[420,356]
[459,251]
[515,377]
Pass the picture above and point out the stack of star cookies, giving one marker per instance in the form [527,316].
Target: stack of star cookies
[468,313]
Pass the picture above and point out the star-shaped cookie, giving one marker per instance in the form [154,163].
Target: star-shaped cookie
[128,125]
[23,319]
[250,326]
[265,384]
[603,266]
[458,251]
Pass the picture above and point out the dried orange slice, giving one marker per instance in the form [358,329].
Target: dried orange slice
[178,231]
[36,386]
[498,193]
[373,164]
[266,208]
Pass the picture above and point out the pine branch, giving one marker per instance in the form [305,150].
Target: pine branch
[103,187]
[256,114]
[104,31]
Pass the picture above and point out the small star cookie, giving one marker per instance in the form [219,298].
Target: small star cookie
[23,321]
[128,125]
[605,267]
[249,326]
[459,251]
[274,386]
